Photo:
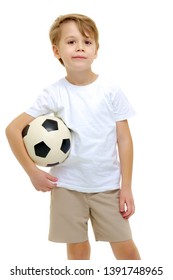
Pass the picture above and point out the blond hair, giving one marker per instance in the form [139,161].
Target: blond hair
[85,24]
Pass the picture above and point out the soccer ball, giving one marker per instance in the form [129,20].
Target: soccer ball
[47,140]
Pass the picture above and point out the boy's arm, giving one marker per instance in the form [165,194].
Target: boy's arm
[41,180]
[125,149]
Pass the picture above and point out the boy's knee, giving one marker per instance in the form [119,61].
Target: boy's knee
[125,250]
[78,251]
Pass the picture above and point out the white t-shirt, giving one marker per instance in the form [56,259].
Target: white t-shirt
[91,113]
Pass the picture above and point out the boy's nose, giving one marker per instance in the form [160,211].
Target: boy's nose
[80,47]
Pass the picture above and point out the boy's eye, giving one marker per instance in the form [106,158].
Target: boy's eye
[88,42]
[71,42]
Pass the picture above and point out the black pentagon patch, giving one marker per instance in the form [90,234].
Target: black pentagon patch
[41,149]
[52,164]
[25,130]
[65,146]
[50,125]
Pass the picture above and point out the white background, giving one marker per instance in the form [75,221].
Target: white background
[136,50]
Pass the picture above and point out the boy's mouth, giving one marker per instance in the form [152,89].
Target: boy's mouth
[79,57]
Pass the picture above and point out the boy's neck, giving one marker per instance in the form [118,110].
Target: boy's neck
[81,79]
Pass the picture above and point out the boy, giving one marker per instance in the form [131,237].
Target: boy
[87,185]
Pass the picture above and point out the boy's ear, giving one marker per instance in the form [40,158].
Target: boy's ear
[56,51]
[96,53]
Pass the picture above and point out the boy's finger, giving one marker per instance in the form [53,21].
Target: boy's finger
[122,206]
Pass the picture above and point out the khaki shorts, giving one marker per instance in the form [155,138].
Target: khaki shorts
[71,210]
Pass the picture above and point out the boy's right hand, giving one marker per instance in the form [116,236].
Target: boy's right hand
[43,181]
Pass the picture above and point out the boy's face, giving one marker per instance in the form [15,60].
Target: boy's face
[76,51]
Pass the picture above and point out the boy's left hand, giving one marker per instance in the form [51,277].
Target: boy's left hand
[127,206]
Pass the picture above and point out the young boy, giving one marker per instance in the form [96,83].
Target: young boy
[91,183]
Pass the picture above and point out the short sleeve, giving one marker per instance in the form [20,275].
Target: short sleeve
[121,107]
[43,105]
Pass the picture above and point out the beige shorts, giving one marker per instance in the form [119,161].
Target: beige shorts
[71,210]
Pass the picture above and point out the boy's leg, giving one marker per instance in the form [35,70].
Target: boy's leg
[78,251]
[125,250]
